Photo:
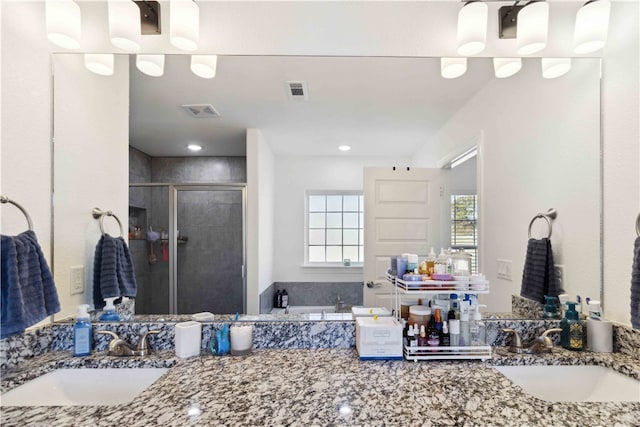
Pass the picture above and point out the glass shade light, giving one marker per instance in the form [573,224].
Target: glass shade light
[506,67]
[592,26]
[555,67]
[184,24]
[99,63]
[344,147]
[63,23]
[151,65]
[451,68]
[204,65]
[533,28]
[124,24]
[472,28]
[194,147]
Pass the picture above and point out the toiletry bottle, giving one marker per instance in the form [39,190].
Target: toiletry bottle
[433,336]
[422,339]
[445,338]
[455,305]
[411,338]
[438,320]
[477,328]
[563,298]
[109,314]
[464,324]
[431,261]
[82,332]
[285,299]
[276,299]
[595,311]
[550,309]
[454,333]
[440,266]
[573,336]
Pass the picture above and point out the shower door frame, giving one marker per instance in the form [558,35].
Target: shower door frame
[173,189]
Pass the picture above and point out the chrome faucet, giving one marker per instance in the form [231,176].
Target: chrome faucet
[119,347]
[542,344]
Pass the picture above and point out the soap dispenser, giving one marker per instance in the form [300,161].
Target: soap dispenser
[82,333]
[573,336]
[550,309]
[109,314]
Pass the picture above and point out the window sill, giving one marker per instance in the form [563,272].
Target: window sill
[334,266]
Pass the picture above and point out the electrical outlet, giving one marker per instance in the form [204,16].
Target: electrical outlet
[559,270]
[503,269]
[77,279]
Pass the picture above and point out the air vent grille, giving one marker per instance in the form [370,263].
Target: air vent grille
[201,111]
[297,90]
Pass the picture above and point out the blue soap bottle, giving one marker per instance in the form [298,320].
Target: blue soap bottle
[109,314]
[573,336]
[82,333]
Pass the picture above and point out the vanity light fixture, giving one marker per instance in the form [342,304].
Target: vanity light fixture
[451,68]
[344,147]
[592,26]
[99,63]
[472,28]
[63,23]
[532,27]
[124,25]
[194,147]
[204,65]
[184,24]
[555,67]
[151,65]
[506,67]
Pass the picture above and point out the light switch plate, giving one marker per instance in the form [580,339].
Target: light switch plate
[559,270]
[77,279]
[503,268]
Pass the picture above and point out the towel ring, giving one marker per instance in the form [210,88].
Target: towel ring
[4,199]
[100,214]
[548,216]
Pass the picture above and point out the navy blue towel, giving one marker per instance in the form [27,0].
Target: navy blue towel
[28,293]
[538,276]
[113,271]
[635,286]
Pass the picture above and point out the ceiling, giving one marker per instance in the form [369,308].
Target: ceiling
[378,106]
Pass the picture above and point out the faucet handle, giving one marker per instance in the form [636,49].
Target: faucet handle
[517,341]
[142,343]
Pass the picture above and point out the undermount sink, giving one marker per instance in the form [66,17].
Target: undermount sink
[583,383]
[73,387]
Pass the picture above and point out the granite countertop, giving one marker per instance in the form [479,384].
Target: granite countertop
[325,387]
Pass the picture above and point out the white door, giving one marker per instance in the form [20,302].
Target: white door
[401,214]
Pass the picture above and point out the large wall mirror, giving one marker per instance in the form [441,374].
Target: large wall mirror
[538,141]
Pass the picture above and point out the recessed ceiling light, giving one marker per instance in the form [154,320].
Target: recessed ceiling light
[344,148]
[194,147]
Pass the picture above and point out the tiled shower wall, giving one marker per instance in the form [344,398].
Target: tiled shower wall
[313,293]
[207,219]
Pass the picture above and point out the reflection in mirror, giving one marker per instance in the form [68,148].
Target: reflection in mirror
[538,147]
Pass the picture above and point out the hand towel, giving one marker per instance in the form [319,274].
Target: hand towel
[538,276]
[28,293]
[635,286]
[113,271]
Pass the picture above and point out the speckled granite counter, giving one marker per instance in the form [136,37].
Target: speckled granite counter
[326,387]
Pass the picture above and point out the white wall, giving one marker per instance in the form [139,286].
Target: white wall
[91,158]
[621,151]
[260,217]
[294,176]
[539,149]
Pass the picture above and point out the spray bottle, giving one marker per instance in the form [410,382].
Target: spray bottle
[465,338]
[109,314]
[82,333]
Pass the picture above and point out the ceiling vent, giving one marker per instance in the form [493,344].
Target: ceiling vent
[201,111]
[297,91]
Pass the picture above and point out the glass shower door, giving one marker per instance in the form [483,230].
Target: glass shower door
[210,249]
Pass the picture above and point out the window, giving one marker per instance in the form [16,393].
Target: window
[464,230]
[335,227]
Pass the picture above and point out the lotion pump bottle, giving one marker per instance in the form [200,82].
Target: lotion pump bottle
[477,328]
[109,314]
[82,332]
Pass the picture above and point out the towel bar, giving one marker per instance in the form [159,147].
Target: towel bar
[548,216]
[98,213]
[4,199]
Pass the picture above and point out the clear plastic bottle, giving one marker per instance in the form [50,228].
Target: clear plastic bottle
[465,339]
[431,262]
[477,328]
[454,333]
